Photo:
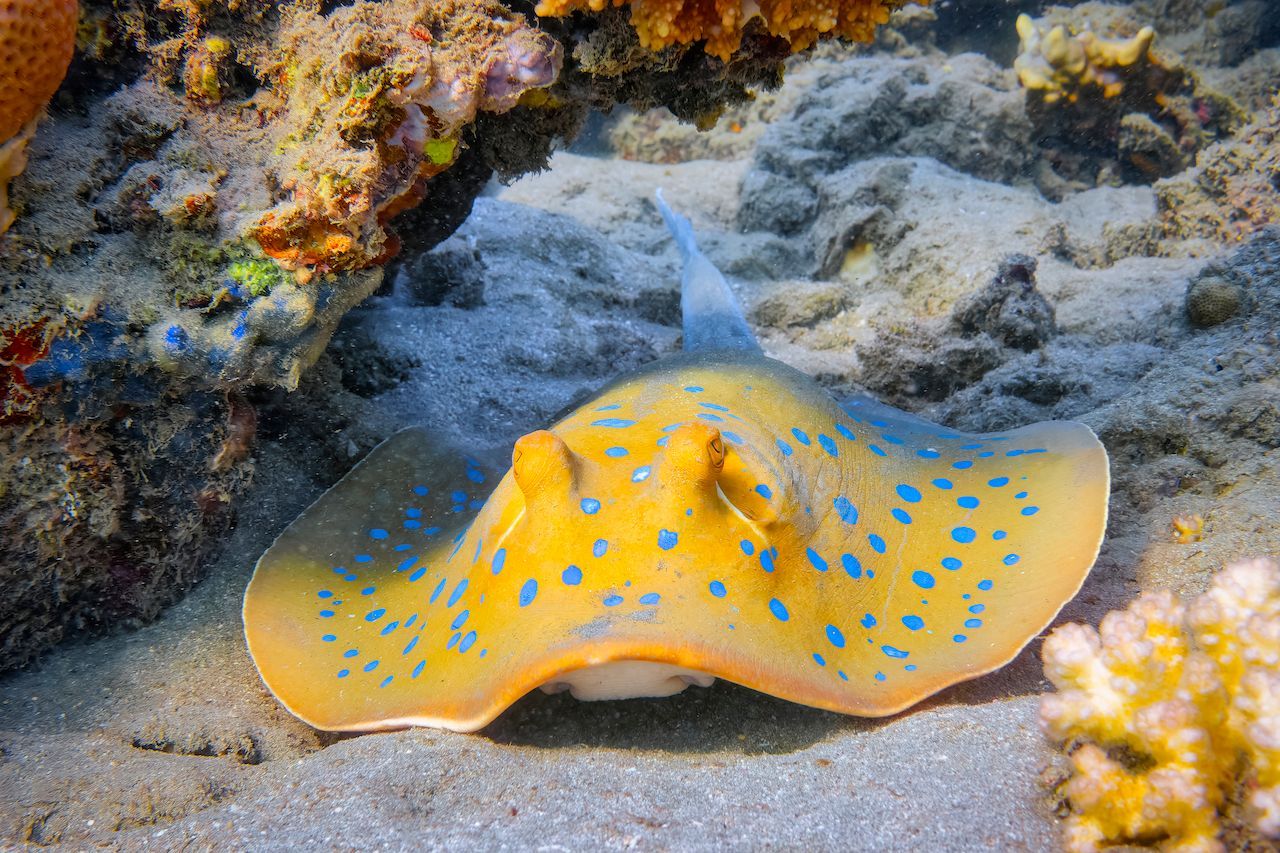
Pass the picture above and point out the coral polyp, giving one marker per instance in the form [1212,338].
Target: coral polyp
[1172,701]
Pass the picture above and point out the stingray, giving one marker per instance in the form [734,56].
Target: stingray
[714,514]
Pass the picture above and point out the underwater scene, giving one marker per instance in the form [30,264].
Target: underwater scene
[657,424]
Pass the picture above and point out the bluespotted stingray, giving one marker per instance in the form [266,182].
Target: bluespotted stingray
[714,514]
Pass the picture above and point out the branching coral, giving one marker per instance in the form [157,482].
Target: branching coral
[1174,702]
[36,41]
[721,23]
[1061,65]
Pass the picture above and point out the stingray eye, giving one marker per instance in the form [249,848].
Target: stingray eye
[715,451]
[541,461]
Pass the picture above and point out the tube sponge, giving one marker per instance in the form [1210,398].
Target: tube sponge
[1173,702]
[661,23]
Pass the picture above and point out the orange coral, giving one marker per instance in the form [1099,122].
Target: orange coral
[661,23]
[37,38]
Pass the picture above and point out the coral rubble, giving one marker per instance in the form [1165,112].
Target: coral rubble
[37,37]
[1171,704]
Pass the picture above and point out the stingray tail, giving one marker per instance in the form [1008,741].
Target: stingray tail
[712,316]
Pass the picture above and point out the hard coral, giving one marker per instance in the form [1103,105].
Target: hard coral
[721,23]
[37,38]
[1061,65]
[1174,702]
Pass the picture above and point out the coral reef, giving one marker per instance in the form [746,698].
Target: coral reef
[720,25]
[1171,703]
[1111,107]
[37,37]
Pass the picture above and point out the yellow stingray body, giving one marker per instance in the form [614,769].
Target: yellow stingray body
[716,511]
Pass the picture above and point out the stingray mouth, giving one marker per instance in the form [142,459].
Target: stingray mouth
[626,679]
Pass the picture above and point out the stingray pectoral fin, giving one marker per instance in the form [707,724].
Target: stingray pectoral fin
[990,536]
[378,534]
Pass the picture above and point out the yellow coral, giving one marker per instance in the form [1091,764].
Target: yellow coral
[1190,690]
[1188,528]
[661,23]
[1061,65]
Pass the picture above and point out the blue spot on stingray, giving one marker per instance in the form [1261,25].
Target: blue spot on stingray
[375,615]
[406,564]
[998,482]
[640,474]
[959,638]
[915,623]
[571,576]
[963,535]
[667,539]
[879,676]
[851,565]
[413,512]
[431,531]
[900,515]
[962,464]
[650,598]
[973,623]
[868,621]
[371,666]
[1030,510]
[928,453]
[1010,559]
[892,652]
[457,592]
[389,627]
[707,416]
[876,543]
[784,447]
[892,439]
[662,442]
[923,579]
[942,483]
[876,450]
[420,491]
[616,452]
[417,670]
[615,423]
[599,547]
[733,437]
[765,492]
[977,608]
[613,601]
[329,638]
[439,589]
[387,680]
[467,642]
[846,432]
[324,593]
[968,502]
[910,494]
[801,436]
[835,637]
[747,547]
[673,427]
[951,563]
[363,558]
[377,533]
[453,641]
[717,589]
[693,389]
[779,610]
[351,653]
[410,524]
[528,592]
[499,560]
[819,659]
[350,577]
[985,585]
[846,510]
[828,444]
[460,620]
[816,559]
[475,475]
[910,667]
[998,535]
[1020,495]
[609,408]
[714,406]
[343,673]
[325,614]
[590,506]
[766,559]
[412,643]
[458,496]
